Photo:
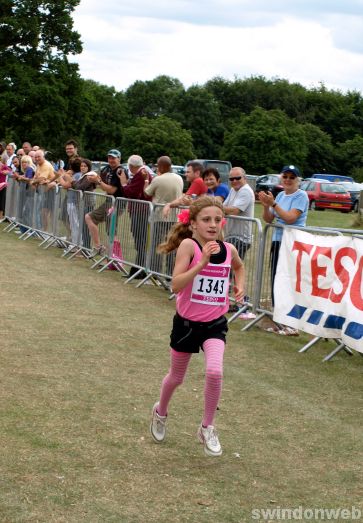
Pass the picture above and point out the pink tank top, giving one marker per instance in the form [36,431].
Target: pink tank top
[205,298]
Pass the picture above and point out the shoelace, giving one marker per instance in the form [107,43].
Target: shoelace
[212,436]
[160,423]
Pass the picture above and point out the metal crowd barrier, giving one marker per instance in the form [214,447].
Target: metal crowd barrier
[130,238]
[158,264]
[264,282]
[104,206]
[340,345]
[11,204]
[246,236]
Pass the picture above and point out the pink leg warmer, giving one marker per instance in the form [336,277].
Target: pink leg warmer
[213,352]
[178,368]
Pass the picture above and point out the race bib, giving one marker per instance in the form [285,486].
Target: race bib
[210,286]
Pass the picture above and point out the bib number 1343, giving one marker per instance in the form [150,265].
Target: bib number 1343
[209,290]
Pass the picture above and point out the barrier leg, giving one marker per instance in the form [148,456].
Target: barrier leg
[236,314]
[310,344]
[341,346]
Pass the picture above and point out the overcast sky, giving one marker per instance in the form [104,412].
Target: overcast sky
[304,41]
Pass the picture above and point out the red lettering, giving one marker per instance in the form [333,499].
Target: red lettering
[319,270]
[301,248]
[356,287]
[341,272]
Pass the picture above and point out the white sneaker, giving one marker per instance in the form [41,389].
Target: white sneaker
[208,436]
[157,425]
[98,250]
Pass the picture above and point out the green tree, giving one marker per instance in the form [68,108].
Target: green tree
[197,111]
[320,155]
[38,86]
[153,98]
[106,117]
[264,141]
[154,137]
[350,157]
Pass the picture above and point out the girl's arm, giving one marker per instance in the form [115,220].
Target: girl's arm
[181,274]
[239,274]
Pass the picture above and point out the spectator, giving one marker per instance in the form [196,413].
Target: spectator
[290,207]
[4,171]
[134,189]
[108,181]
[3,155]
[44,171]
[16,167]
[44,174]
[66,180]
[27,147]
[32,155]
[10,151]
[212,180]
[239,202]
[27,174]
[20,153]
[164,188]
[197,187]
[71,147]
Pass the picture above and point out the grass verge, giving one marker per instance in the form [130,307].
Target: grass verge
[82,360]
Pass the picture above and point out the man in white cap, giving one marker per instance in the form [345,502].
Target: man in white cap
[109,182]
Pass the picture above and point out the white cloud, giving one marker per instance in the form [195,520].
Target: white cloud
[250,38]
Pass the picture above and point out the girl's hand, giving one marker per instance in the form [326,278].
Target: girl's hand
[209,249]
[239,293]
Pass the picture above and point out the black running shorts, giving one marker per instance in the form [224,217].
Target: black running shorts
[189,336]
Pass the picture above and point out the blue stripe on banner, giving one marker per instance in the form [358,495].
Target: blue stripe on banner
[334,322]
[315,317]
[354,330]
[297,311]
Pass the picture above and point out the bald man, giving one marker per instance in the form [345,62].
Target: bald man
[164,188]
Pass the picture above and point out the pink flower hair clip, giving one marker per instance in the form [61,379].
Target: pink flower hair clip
[184,217]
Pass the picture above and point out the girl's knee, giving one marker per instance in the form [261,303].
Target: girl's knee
[214,374]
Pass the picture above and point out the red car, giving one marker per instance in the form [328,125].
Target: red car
[327,195]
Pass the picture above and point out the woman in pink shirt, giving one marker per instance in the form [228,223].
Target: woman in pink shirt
[201,282]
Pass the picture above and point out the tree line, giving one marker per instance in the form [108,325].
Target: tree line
[258,123]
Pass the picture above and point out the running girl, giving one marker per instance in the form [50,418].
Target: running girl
[201,282]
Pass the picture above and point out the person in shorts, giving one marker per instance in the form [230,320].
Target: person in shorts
[201,281]
[109,182]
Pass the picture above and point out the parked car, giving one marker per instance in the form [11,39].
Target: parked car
[354,190]
[178,169]
[252,180]
[97,166]
[269,182]
[327,195]
[332,177]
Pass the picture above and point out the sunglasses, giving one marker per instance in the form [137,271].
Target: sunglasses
[285,177]
[235,178]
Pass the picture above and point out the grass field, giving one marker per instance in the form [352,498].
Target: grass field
[82,357]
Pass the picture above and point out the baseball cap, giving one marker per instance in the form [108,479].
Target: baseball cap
[290,169]
[114,152]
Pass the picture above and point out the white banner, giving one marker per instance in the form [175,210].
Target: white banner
[319,286]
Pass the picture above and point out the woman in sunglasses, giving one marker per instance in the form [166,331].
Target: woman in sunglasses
[290,207]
